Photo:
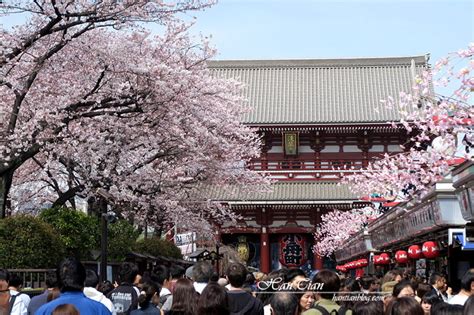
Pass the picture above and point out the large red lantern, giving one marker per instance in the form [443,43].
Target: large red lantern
[414,252]
[385,258]
[401,257]
[430,250]
[293,250]
[376,259]
[363,262]
[341,268]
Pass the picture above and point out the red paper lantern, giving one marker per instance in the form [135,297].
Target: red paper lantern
[401,257]
[430,250]
[363,262]
[414,252]
[385,258]
[376,259]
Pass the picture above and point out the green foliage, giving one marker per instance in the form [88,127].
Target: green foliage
[121,238]
[27,242]
[156,246]
[78,232]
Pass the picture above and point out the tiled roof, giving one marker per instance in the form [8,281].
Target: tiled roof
[321,91]
[284,191]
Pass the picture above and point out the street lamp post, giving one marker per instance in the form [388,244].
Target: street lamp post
[103,239]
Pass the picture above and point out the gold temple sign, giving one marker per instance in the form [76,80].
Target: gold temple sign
[291,143]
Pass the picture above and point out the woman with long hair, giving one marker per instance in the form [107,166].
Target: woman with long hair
[148,291]
[213,300]
[185,298]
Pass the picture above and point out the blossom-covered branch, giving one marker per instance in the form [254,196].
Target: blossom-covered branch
[441,129]
[337,226]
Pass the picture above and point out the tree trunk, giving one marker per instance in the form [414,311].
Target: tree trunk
[5,185]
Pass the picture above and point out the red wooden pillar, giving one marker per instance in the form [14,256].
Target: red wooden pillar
[264,251]
[317,260]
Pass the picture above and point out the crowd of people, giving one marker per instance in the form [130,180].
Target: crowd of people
[198,290]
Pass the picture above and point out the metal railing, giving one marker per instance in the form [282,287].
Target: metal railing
[32,278]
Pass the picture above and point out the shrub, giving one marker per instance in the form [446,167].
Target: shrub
[28,242]
[156,246]
[78,232]
[121,238]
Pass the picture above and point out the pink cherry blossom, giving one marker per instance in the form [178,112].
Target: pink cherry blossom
[338,226]
[94,106]
[436,123]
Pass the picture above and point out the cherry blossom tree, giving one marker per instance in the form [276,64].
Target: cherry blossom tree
[97,107]
[438,124]
[338,226]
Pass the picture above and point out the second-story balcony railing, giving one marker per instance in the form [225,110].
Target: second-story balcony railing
[308,165]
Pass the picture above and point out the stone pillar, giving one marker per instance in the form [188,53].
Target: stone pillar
[265,265]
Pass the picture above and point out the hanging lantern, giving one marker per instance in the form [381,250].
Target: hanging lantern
[363,262]
[376,259]
[401,257]
[414,252]
[430,250]
[385,258]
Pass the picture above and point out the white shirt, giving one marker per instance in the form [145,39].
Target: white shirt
[164,291]
[441,295]
[19,308]
[267,310]
[24,297]
[459,299]
[199,286]
[98,296]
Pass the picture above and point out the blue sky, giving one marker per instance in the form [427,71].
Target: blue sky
[291,29]
[286,29]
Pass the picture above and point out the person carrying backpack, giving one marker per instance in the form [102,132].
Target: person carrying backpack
[240,301]
[325,305]
[9,304]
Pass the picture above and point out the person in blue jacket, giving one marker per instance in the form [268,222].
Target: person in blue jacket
[72,274]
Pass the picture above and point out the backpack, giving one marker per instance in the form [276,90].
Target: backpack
[163,299]
[119,298]
[244,311]
[342,310]
[10,304]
